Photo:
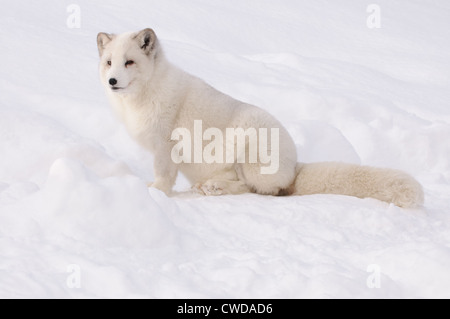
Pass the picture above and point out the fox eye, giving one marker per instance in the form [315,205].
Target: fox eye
[109,63]
[129,62]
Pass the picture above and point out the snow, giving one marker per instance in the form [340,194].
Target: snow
[73,184]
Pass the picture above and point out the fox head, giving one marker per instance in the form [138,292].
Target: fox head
[126,60]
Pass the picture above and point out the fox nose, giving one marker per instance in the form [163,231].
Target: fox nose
[112,81]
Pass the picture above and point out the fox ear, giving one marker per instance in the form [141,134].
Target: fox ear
[102,40]
[146,39]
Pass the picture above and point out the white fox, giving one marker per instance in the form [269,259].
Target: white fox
[154,99]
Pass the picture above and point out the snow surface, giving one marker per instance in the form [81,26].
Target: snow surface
[73,184]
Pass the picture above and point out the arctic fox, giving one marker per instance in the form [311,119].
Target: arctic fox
[156,101]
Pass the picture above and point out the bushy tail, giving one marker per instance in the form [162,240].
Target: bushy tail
[389,185]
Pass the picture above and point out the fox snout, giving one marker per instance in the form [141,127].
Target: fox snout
[115,86]
[112,82]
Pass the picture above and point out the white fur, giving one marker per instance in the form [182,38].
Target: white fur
[388,185]
[156,98]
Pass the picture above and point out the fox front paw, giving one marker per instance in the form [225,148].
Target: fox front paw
[162,186]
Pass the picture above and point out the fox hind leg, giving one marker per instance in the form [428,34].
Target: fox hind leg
[217,187]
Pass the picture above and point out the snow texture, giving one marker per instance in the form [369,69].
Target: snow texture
[78,221]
